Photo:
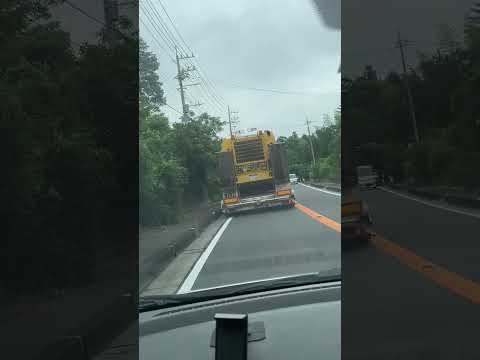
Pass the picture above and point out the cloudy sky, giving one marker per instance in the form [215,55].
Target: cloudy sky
[83,19]
[246,44]
[369,30]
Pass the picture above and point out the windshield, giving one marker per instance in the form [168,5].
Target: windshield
[221,135]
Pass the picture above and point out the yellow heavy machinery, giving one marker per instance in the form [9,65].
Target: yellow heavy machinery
[254,173]
[356,218]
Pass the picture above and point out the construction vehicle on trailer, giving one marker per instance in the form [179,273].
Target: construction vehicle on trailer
[356,217]
[254,173]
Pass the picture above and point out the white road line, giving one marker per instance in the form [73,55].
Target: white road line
[254,281]
[431,204]
[193,274]
[321,190]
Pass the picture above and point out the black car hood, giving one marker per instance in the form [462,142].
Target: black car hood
[302,322]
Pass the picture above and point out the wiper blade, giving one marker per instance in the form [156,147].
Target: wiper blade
[154,302]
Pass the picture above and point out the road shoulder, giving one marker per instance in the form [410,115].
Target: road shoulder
[170,280]
[439,204]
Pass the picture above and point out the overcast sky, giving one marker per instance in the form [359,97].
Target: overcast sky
[83,19]
[252,44]
[286,47]
[369,29]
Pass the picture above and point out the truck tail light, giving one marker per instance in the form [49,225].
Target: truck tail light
[283,192]
[231,200]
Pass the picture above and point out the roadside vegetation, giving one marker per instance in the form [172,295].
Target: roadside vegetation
[326,143]
[176,158]
[66,149]
[445,87]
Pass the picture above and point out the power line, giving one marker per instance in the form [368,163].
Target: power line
[167,36]
[171,107]
[285,92]
[210,100]
[174,27]
[80,10]
[156,40]
[209,87]
[168,32]
[208,92]
[214,106]
[218,99]
[206,81]
[159,32]
[170,41]
[204,87]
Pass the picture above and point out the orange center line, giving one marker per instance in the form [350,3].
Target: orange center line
[440,275]
[320,218]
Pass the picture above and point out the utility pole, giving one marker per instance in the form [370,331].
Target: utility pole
[308,122]
[231,121]
[110,10]
[182,74]
[400,44]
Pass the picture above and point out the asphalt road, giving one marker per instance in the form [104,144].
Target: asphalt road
[275,243]
[393,311]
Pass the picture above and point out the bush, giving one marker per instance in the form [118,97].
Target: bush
[464,170]
[326,170]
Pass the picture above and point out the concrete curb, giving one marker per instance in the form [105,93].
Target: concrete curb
[159,260]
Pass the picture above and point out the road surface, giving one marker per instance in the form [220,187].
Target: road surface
[269,244]
[413,293]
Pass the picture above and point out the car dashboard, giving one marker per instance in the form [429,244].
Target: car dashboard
[297,322]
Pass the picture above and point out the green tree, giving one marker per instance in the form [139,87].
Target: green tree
[196,143]
[444,86]
[326,142]
[62,147]
[150,86]
[176,159]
